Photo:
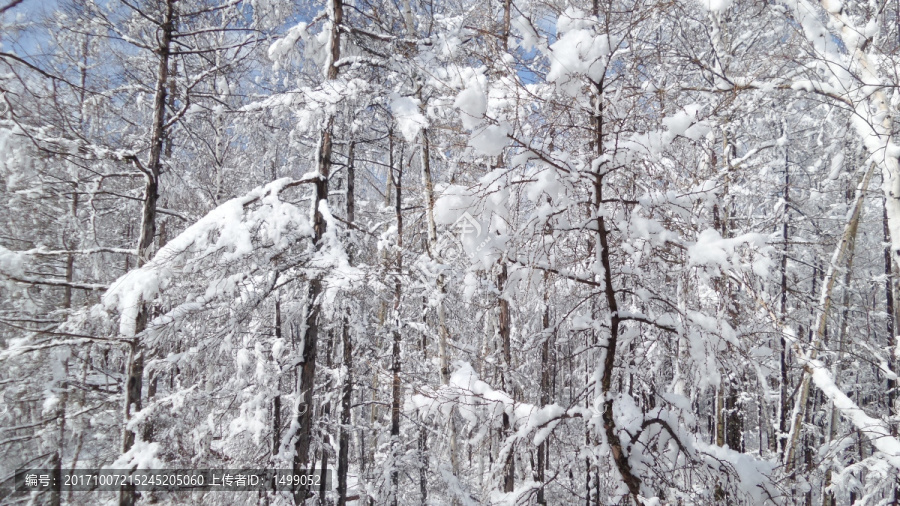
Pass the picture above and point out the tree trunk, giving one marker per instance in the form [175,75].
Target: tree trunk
[396,177]
[423,462]
[834,417]
[781,442]
[543,450]
[720,414]
[56,490]
[609,426]
[844,248]
[133,400]
[503,329]
[440,287]
[310,341]
[276,401]
[70,258]
[326,415]
[152,172]
[343,464]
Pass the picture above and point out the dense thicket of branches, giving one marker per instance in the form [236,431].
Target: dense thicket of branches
[505,252]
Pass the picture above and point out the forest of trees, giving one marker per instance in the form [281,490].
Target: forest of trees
[454,252]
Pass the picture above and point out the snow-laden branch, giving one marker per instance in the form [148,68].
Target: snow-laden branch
[858,82]
[468,395]
[227,233]
[841,252]
[475,399]
[29,280]
[90,251]
[876,430]
[814,371]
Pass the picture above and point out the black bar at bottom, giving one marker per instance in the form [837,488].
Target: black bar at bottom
[236,480]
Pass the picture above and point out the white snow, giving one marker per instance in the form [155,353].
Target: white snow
[142,455]
[408,117]
[472,104]
[12,263]
[875,430]
[228,230]
[716,5]
[491,139]
[713,251]
[685,123]
[285,44]
[530,38]
[580,49]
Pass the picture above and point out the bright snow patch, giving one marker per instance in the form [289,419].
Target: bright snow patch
[408,117]
[716,5]
[472,105]
[491,139]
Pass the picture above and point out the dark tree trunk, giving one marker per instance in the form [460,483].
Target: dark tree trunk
[152,172]
[609,426]
[783,397]
[509,467]
[543,450]
[397,336]
[343,464]
[276,402]
[310,342]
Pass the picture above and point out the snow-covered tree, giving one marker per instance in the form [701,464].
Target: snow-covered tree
[511,252]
